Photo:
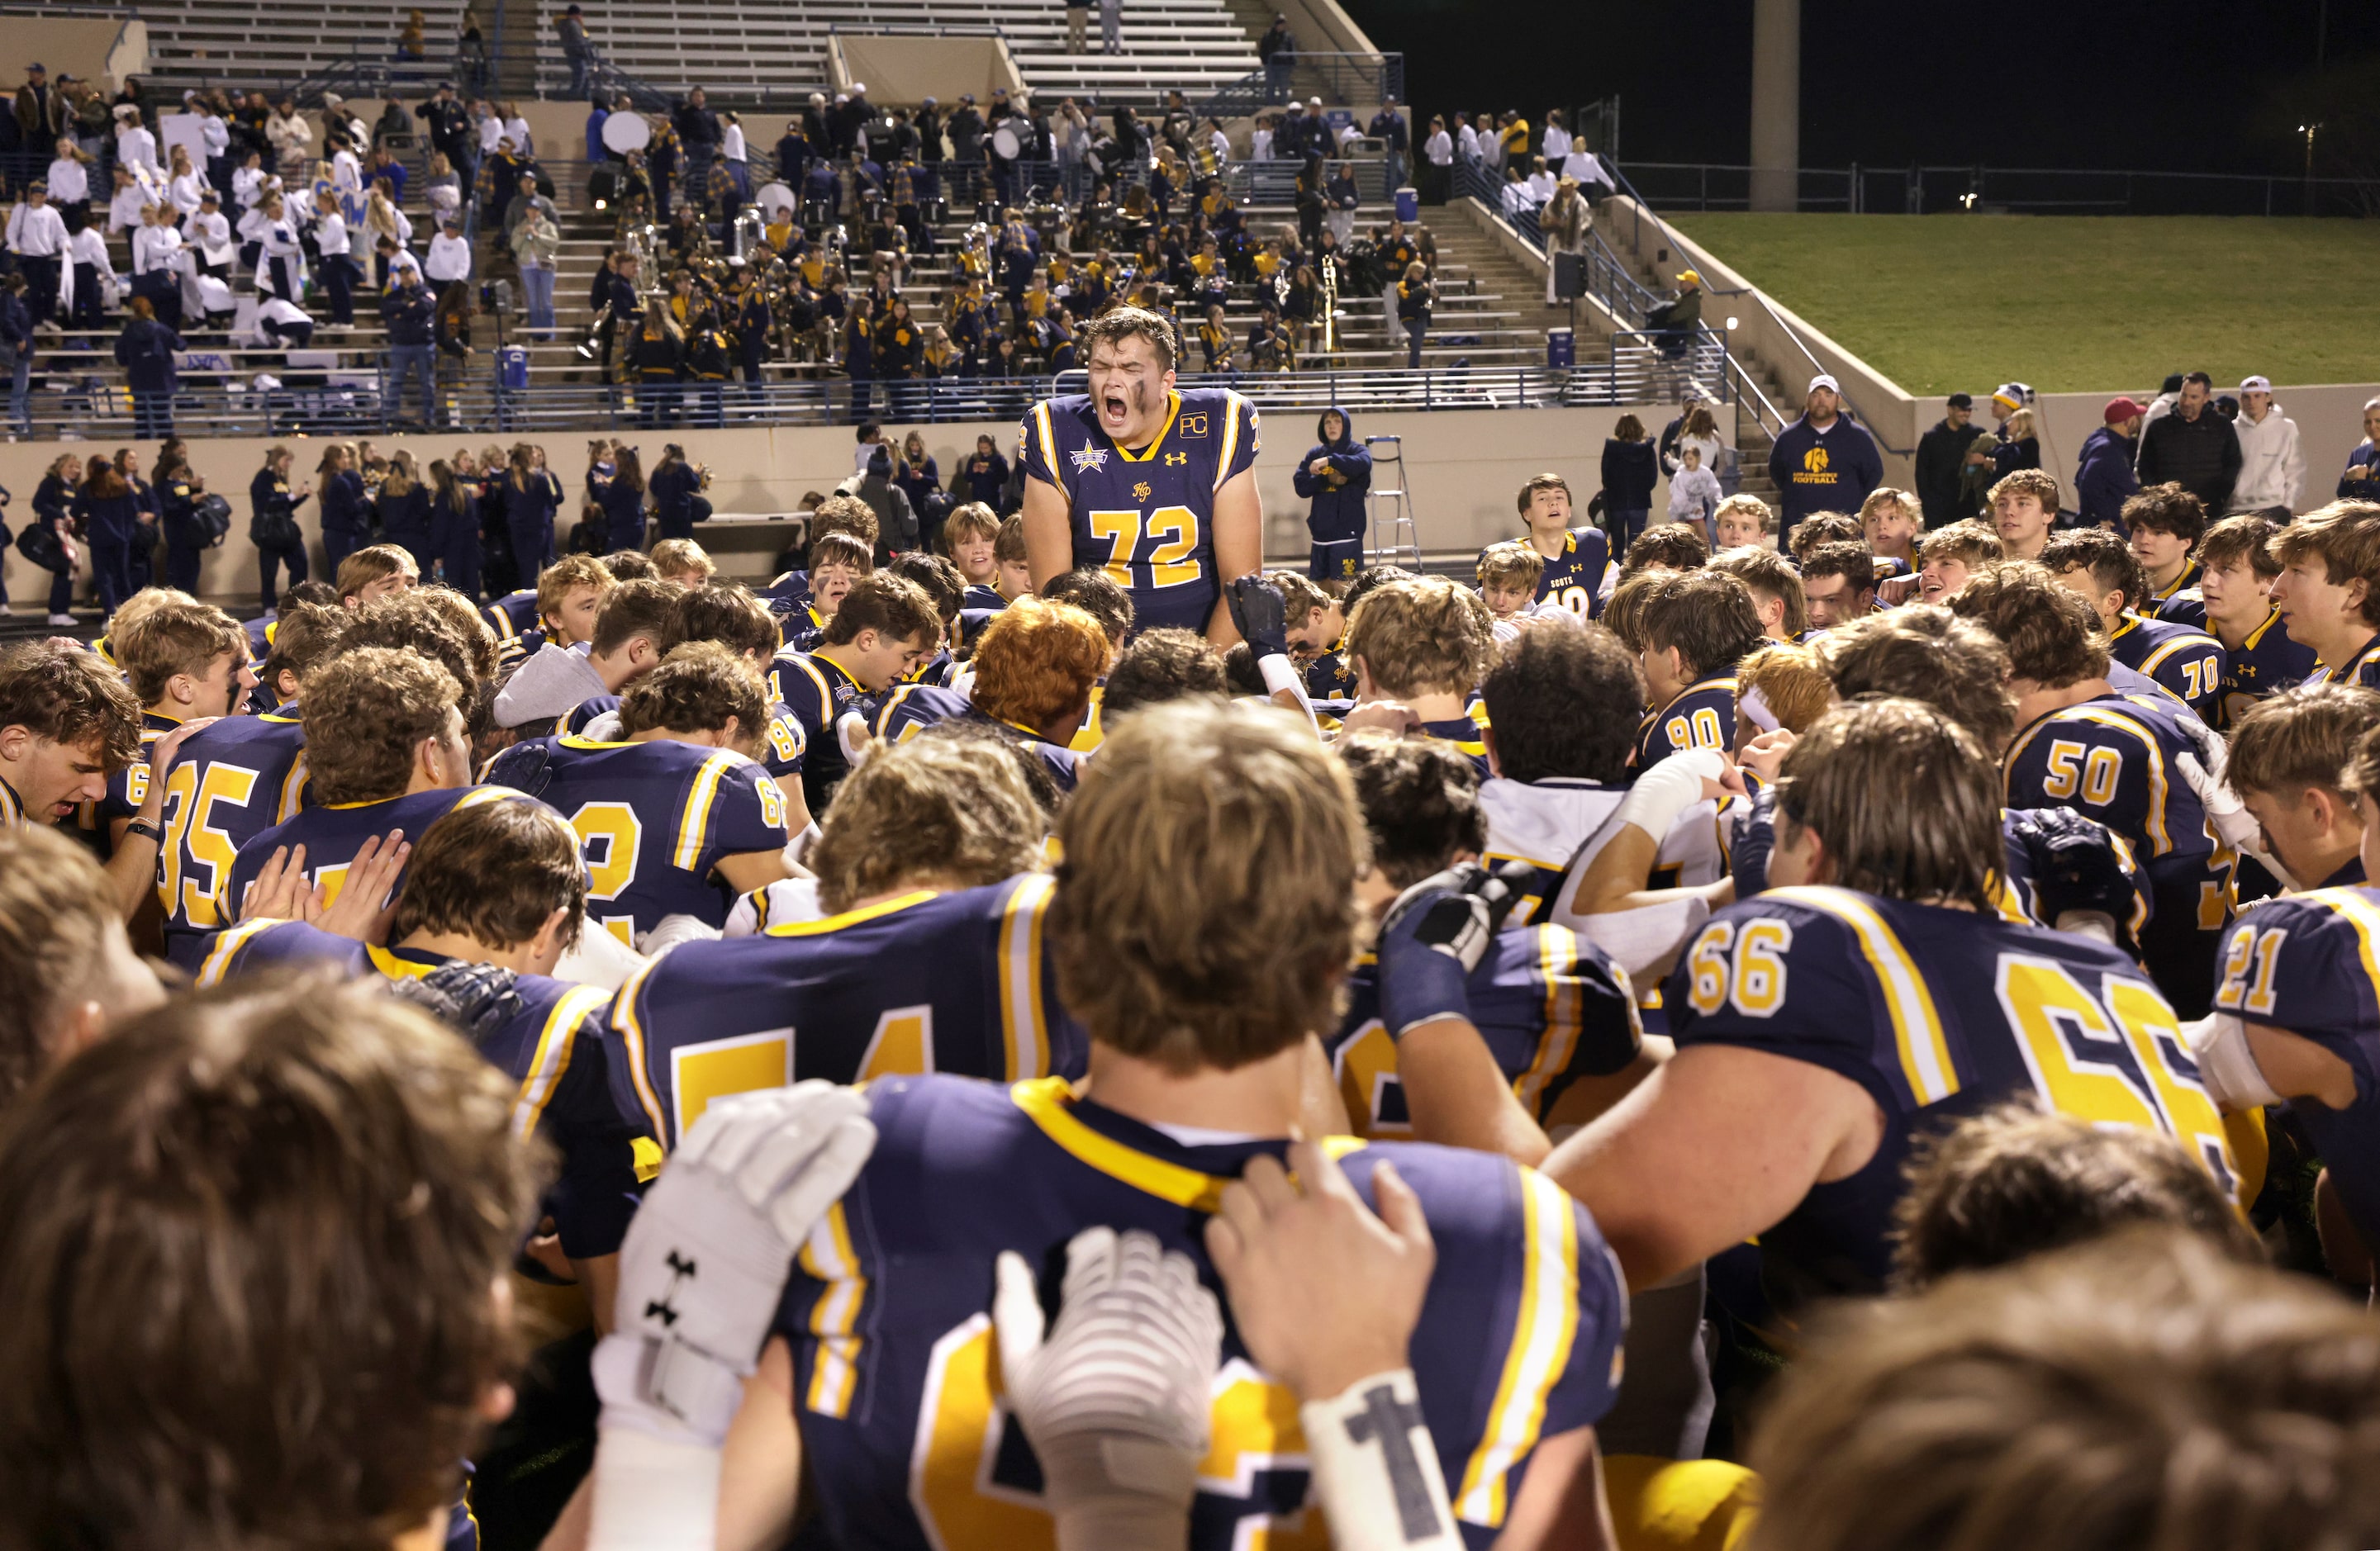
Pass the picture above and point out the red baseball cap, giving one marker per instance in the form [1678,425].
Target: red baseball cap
[2121,409]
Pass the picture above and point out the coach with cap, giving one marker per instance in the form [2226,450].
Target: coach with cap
[2104,479]
[1822,462]
[1941,459]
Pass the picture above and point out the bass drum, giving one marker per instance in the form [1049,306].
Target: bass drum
[625,132]
[1006,143]
[776,200]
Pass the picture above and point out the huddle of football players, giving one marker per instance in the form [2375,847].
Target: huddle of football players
[1852,1040]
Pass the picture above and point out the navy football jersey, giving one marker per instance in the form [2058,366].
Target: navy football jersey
[898,1394]
[1462,731]
[1330,676]
[803,627]
[2363,668]
[550,1043]
[12,806]
[786,593]
[2305,963]
[1574,580]
[2265,663]
[332,836]
[1148,518]
[655,817]
[2187,662]
[781,754]
[1541,999]
[910,708]
[1937,1014]
[126,788]
[816,691]
[955,982]
[1702,716]
[230,783]
[2191,572]
[578,717]
[516,620]
[983,598]
[2186,607]
[2111,760]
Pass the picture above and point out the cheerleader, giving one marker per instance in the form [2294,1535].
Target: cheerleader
[184,185]
[330,246]
[156,261]
[285,256]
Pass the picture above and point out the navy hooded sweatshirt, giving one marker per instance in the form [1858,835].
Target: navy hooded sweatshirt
[1336,493]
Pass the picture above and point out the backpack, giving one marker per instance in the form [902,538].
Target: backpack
[213,513]
[40,545]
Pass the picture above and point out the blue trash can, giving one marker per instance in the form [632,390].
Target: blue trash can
[1562,349]
[512,367]
[1408,206]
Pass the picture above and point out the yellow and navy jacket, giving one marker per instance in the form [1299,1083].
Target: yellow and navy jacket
[550,1042]
[926,981]
[2188,662]
[898,1380]
[655,817]
[1936,1014]
[332,833]
[2310,963]
[230,783]
[1551,1006]
[2112,759]
[1702,715]
[1147,517]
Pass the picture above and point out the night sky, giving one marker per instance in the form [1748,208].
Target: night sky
[2195,86]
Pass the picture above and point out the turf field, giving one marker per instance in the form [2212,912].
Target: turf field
[1944,303]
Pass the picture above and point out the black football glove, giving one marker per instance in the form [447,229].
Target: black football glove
[1436,934]
[476,1000]
[1260,616]
[2076,866]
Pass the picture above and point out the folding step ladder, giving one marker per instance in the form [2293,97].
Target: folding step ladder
[1394,539]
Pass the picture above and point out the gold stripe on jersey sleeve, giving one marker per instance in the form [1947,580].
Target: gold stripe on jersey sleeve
[631,1030]
[1045,1100]
[2359,913]
[227,947]
[695,823]
[1231,406]
[1049,445]
[827,1255]
[1558,961]
[554,1044]
[852,917]
[1024,1021]
[1543,1328]
[1916,1026]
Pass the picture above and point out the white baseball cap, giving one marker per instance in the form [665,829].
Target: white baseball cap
[2256,385]
[1823,379]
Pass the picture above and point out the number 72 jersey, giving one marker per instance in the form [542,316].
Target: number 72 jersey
[1937,1014]
[1147,517]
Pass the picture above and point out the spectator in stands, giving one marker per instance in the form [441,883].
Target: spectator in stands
[536,241]
[145,349]
[2193,447]
[1111,25]
[40,108]
[2272,464]
[1822,462]
[698,136]
[2362,480]
[450,128]
[1437,164]
[451,334]
[283,325]
[16,350]
[577,51]
[450,257]
[291,137]
[1389,129]
[1630,471]
[1414,295]
[37,239]
[2104,479]
[1566,222]
[1941,459]
[410,313]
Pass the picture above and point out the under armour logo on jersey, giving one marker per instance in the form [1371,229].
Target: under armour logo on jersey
[1177,460]
[1090,457]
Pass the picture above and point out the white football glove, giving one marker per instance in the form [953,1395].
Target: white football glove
[1115,1400]
[2233,824]
[708,1253]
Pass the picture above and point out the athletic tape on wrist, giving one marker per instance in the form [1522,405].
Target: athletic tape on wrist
[1374,1468]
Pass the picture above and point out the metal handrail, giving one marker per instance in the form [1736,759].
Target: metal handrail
[1347,77]
[361,400]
